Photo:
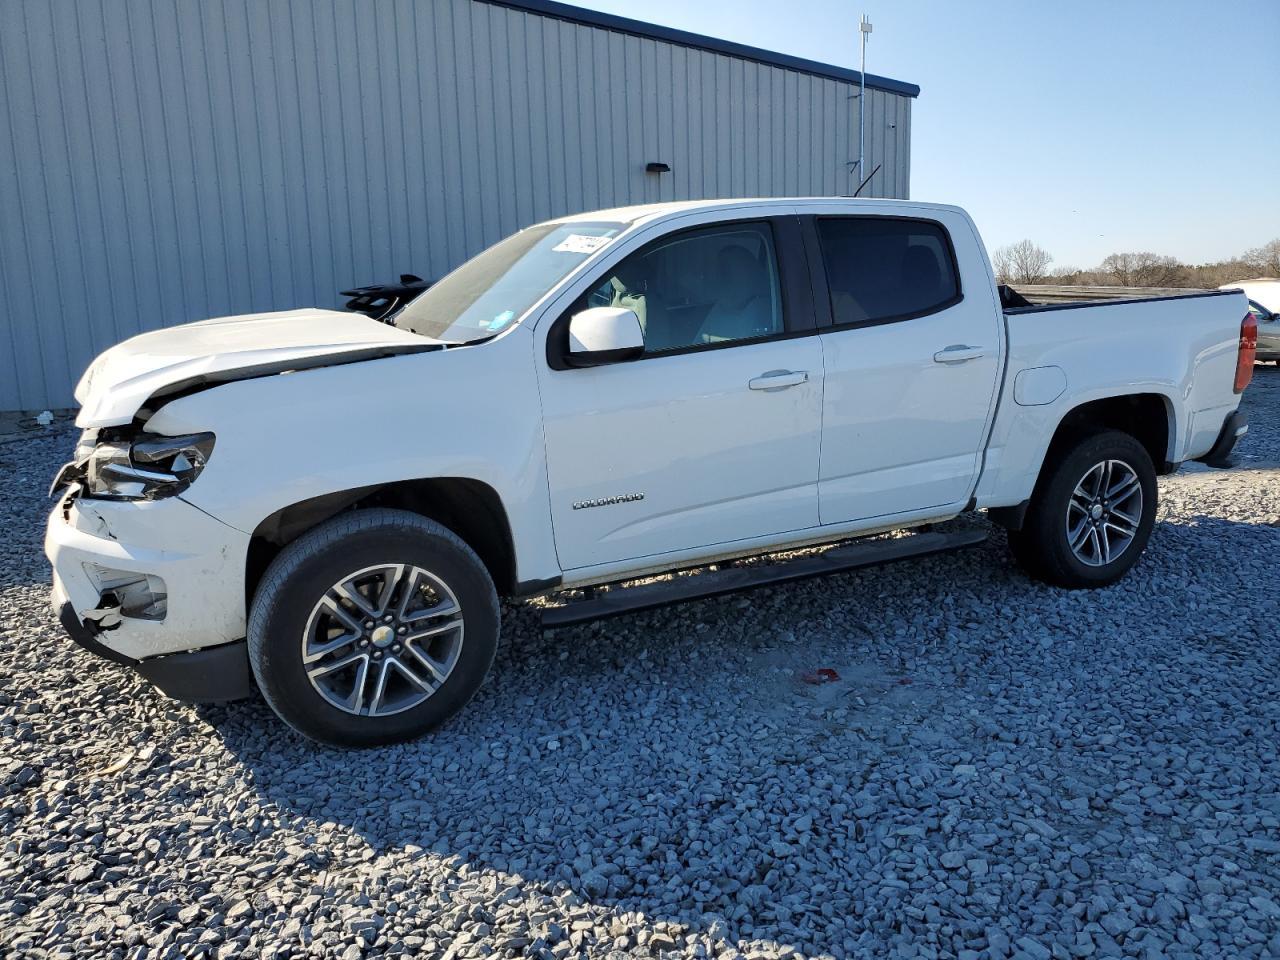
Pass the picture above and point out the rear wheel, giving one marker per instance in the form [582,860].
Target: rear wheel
[1091,514]
[372,628]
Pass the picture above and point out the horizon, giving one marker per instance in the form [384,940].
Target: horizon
[1136,177]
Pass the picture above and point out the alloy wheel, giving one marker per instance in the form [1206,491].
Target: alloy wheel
[383,639]
[1103,513]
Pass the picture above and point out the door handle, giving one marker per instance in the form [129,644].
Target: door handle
[958,353]
[778,380]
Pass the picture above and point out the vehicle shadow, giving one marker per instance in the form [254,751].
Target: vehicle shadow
[597,760]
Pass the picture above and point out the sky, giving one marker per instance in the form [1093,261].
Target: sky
[1090,127]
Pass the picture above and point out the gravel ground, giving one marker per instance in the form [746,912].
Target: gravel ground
[1002,769]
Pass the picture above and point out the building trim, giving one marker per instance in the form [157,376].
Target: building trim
[609,21]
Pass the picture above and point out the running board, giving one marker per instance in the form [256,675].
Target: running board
[850,556]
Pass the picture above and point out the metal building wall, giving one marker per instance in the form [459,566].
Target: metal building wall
[170,161]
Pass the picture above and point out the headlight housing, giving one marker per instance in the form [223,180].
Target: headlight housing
[149,468]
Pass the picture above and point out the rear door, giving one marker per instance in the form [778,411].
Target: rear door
[913,354]
[712,436]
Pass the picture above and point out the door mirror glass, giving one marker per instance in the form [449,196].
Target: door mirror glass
[603,335]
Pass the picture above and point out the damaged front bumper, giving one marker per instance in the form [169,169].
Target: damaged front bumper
[122,592]
[212,675]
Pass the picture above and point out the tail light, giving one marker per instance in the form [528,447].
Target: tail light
[1248,351]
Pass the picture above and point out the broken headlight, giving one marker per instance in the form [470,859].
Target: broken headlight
[147,469]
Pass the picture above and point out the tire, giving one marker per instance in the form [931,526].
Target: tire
[1084,463]
[435,622]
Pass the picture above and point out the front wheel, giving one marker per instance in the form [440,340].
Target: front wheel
[1091,514]
[373,628]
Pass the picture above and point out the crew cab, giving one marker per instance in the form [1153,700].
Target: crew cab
[328,508]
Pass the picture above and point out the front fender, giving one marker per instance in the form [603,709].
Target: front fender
[468,412]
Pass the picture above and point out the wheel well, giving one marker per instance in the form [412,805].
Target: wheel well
[1144,416]
[471,509]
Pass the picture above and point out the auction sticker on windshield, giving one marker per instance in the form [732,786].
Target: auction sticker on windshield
[577,243]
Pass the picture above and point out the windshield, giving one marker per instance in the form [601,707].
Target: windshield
[492,290]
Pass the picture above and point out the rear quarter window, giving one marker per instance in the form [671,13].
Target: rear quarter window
[882,269]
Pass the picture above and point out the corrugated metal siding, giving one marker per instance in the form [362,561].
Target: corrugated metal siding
[163,162]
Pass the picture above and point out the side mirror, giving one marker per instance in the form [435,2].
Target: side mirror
[604,335]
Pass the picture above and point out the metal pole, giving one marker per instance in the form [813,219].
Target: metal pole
[864,28]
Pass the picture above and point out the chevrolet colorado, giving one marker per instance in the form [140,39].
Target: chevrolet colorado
[328,508]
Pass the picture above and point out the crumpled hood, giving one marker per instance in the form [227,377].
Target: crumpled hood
[123,378]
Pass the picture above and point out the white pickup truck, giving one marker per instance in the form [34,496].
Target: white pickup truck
[328,508]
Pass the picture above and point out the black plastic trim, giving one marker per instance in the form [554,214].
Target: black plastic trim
[1220,455]
[850,556]
[87,637]
[1081,304]
[531,588]
[819,289]
[1011,518]
[600,358]
[833,324]
[212,675]
[725,345]
[591,18]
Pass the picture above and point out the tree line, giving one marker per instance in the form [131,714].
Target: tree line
[1025,262]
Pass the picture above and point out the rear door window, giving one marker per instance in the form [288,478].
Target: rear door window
[882,269]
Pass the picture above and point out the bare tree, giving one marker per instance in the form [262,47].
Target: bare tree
[1210,275]
[1143,270]
[1024,262]
[1265,260]
[1021,262]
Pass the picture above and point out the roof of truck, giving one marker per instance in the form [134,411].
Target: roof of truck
[649,211]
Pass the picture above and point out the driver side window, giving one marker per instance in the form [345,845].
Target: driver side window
[699,288]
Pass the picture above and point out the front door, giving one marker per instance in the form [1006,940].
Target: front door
[712,436]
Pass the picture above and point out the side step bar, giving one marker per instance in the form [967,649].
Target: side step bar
[850,556]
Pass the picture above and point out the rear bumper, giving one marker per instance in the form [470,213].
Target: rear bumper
[1233,428]
[212,675]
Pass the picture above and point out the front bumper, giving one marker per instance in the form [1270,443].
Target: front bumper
[212,675]
[190,643]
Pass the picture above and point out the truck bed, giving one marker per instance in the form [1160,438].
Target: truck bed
[1180,349]
[1050,293]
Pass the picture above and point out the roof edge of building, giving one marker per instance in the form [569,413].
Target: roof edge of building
[609,21]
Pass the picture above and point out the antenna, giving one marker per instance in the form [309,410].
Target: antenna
[864,31]
[868,180]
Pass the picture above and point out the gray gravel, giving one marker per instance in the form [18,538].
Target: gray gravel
[1001,770]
